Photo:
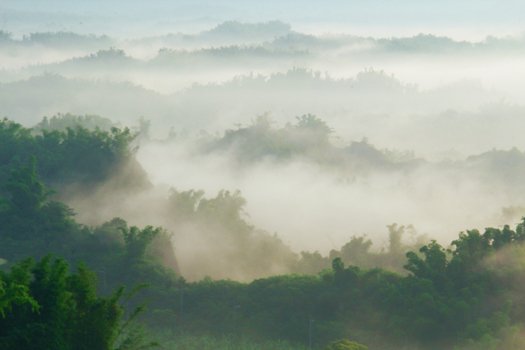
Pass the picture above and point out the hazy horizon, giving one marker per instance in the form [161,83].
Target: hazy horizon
[471,19]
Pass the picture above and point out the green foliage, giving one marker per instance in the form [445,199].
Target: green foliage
[137,241]
[25,191]
[27,213]
[64,156]
[338,266]
[131,335]
[58,310]
[69,121]
[224,342]
[449,297]
[309,138]
[433,264]
[357,251]
[14,291]
[465,296]
[32,224]
[345,345]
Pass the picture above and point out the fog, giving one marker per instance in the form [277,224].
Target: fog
[422,123]
[452,120]
[315,205]
[302,183]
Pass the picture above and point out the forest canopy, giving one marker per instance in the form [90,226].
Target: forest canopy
[426,296]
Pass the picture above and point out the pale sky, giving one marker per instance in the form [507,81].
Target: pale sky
[456,18]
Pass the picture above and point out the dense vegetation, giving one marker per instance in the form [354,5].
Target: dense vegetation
[65,155]
[45,307]
[462,296]
[310,139]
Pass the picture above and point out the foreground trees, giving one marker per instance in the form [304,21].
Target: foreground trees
[44,306]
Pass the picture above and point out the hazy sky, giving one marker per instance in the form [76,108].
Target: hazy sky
[456,18]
